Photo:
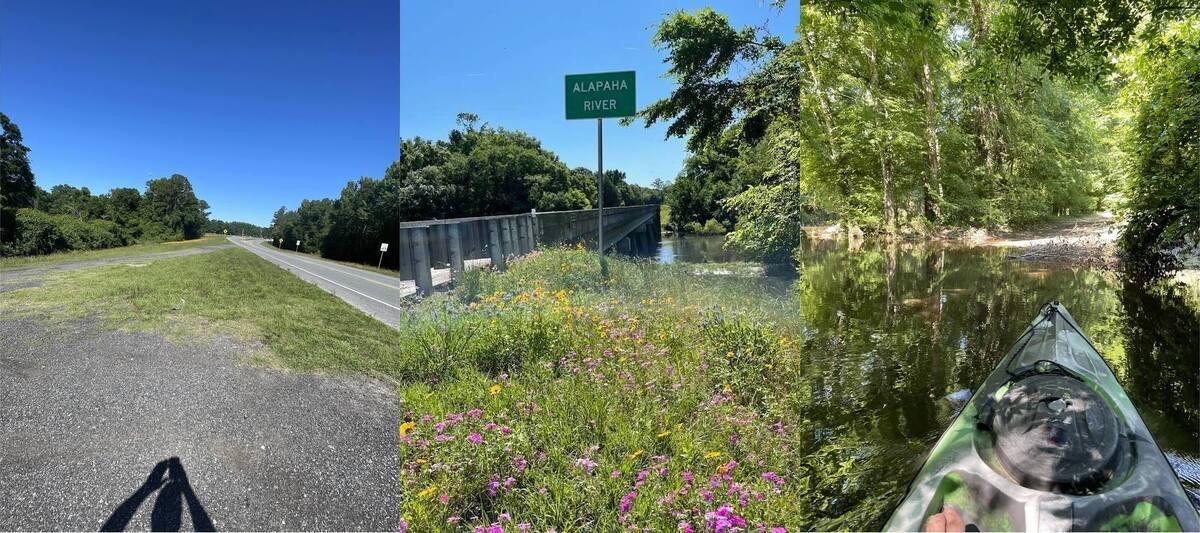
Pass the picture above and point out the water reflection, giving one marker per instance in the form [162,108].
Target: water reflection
[695,249]
[893,335]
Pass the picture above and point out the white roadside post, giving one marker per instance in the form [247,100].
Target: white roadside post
[382,250]
[297,245]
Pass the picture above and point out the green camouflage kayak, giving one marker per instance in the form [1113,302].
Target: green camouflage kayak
[1049,442]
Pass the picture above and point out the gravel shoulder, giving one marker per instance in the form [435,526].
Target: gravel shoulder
[86,414]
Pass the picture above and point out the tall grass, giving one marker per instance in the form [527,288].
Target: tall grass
[545,399]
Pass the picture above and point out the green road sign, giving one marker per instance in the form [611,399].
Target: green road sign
[601,95]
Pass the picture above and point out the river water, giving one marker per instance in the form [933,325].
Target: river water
[895,337]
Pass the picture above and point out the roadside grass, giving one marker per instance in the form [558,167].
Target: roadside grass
[361,266]
[107,253]
[541,398]
[226,292]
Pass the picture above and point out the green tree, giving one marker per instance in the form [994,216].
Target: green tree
[1163,151]
[172,209]
[17,187]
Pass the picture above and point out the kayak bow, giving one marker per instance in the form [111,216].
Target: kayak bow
[1049,442]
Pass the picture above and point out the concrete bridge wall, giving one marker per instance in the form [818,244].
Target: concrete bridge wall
[427,246]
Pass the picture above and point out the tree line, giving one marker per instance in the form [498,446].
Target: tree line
[350,227]
[484,170]
[35,221]
[905,118]
[478,170]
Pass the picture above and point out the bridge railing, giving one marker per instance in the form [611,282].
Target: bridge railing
[453,244]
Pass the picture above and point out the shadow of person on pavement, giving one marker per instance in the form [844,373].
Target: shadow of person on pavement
[167,514]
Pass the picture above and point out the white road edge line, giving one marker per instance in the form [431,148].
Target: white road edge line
[346,272]
[327,279]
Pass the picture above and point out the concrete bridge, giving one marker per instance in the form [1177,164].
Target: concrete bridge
[434,251]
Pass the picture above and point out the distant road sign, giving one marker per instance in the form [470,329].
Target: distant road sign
[383,247]
[601,95]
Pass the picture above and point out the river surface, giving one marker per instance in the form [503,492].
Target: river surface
[896,337]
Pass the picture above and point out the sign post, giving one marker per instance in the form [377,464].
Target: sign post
[599,96]
[382,249]
[297,246]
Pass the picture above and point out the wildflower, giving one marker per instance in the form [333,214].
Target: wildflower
[494,389]
[454,520]
[443,498]
[403,525]
[685,527]
[712,455]
[688,476]
[428,490]
[475,438]
[615,474]
[505,517]
[773,478]
[664,434]
[635,455]
[524,526]
[406,427]
[586,464]
[723,520]
[627,501]
[779,530]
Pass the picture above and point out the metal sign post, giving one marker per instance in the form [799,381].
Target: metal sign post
[599,96]
[382,249]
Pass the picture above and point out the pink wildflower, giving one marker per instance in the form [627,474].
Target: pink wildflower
[475,438]
[627,501]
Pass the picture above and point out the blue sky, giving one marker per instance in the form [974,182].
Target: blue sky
[260,103]
[505,61]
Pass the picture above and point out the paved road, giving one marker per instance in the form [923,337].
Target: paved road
[375,294]
[90,419]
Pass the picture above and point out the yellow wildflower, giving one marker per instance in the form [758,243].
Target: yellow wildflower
[406,427]
[428,491]
[712,455]
[664,434]
[494,389]
[635,455]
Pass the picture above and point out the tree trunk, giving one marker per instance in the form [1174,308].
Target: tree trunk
[886,164]
[825,113]
[933,182]
[988,116]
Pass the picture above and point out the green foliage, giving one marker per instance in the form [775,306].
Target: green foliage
[171,203]
[17,188]
[233,228]
[348,228]
[34,221]
[772,218]
[482,170]
[925,114]
[1164,151]
[41,233]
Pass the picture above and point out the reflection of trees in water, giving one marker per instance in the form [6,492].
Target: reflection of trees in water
[891,331]
[1161,330]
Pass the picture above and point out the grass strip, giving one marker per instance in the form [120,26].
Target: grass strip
[107,253]
[226,292]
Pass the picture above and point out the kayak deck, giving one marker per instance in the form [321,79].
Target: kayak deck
[1049,442]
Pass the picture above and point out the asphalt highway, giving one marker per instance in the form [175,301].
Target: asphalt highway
[375,294]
